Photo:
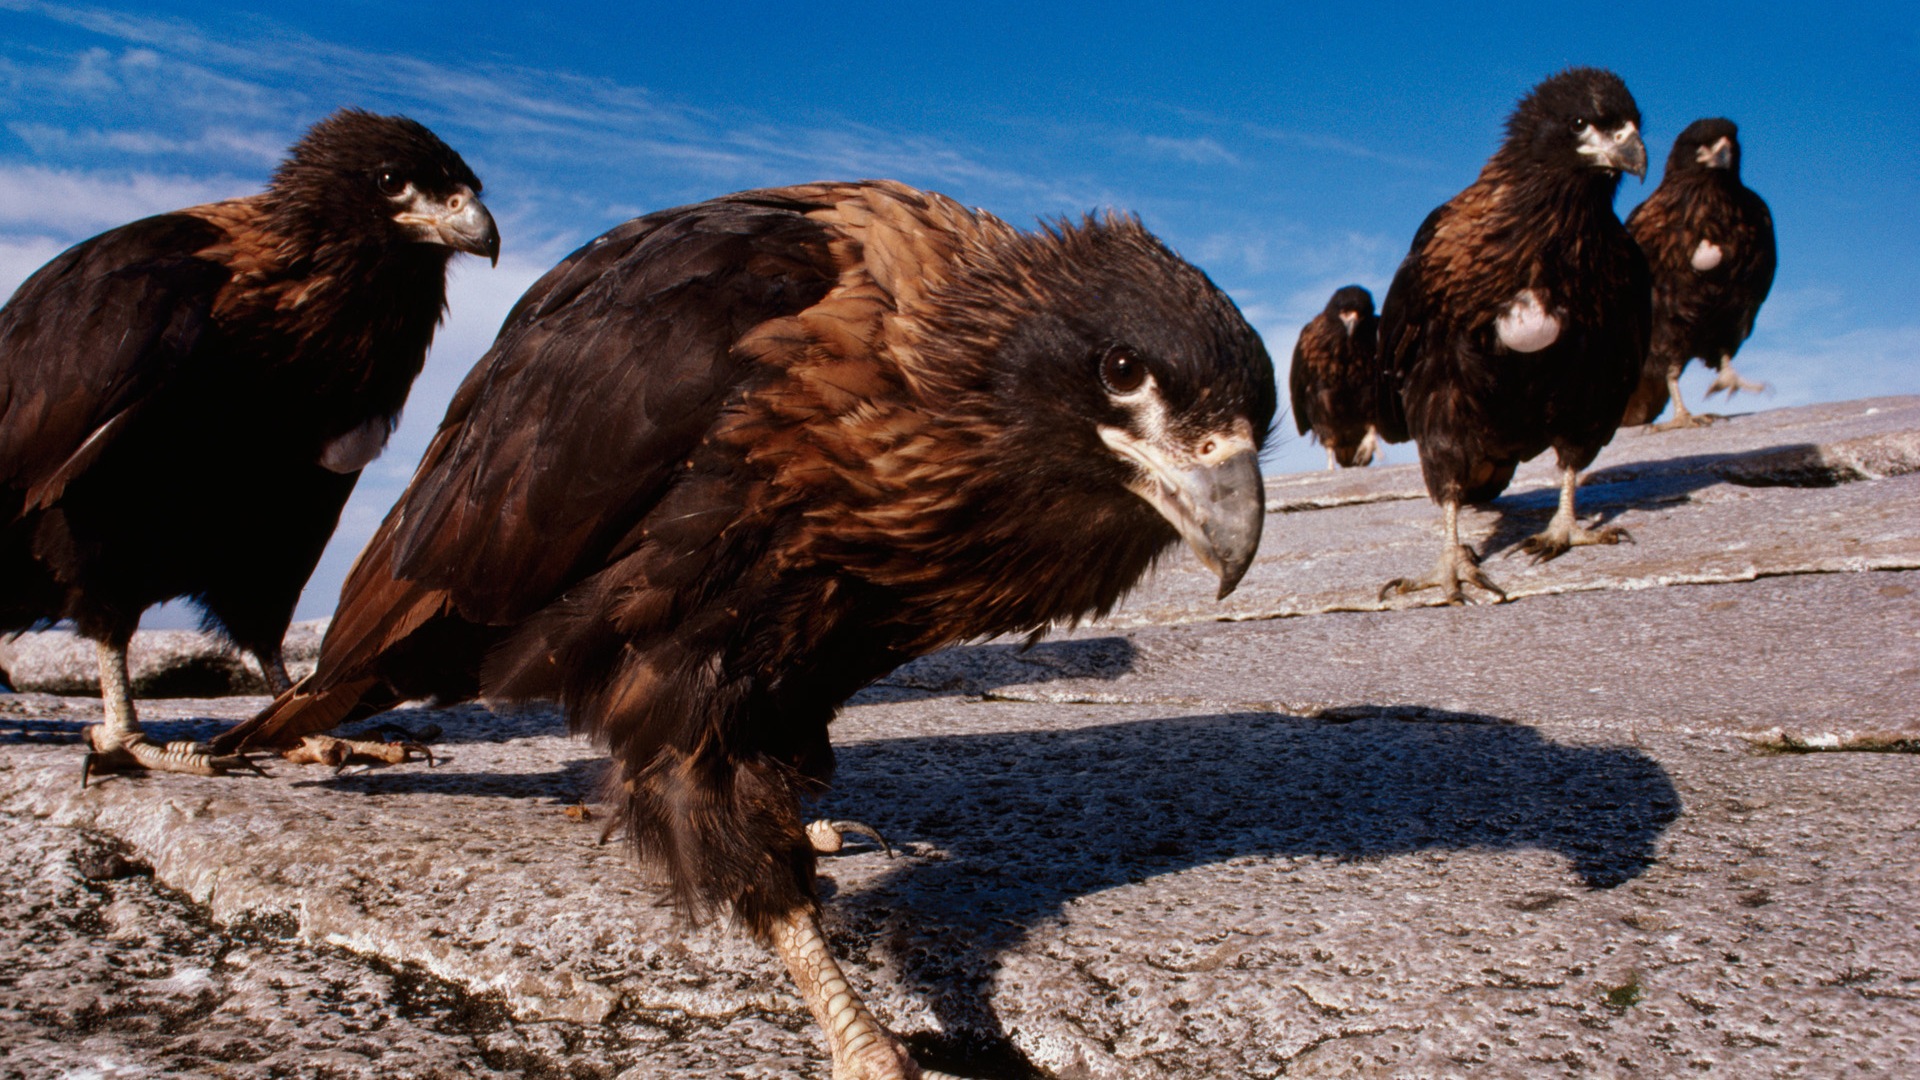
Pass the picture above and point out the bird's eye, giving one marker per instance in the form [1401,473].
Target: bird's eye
[390,183]
[1122,372]
[1579,124]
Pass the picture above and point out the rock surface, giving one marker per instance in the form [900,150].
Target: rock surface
[160,663]
[1562,836]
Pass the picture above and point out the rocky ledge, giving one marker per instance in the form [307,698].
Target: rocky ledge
[1629,824]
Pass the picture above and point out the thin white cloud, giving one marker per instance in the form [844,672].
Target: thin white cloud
[76,204]
[1203,150]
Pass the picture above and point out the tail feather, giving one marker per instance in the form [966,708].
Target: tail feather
[303,710]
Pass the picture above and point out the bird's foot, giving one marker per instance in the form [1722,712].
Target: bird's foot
[340,753]
[828,837]
[129,752]
[1555,542]
[1457,566]
[1685,420]
[1730,381]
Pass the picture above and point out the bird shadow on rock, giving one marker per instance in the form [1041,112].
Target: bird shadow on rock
[1607,493]
[1031,821]
[972,670]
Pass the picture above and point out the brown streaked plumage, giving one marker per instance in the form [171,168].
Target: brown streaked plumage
[1709,241]
[731,462]
[1519,319]
[186,401]
[1336,378]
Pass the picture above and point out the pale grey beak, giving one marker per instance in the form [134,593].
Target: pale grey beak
[461,222]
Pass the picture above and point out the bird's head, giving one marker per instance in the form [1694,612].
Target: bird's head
[1127,387]
[1582,118]
[1712,143]
[1352,305]
[388,178]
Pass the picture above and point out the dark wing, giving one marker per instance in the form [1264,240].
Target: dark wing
[1297,383]
[605,377]
[89,338]
[1409,308]
[1757,257]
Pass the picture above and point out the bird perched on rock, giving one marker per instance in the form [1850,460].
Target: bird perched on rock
[1336,378]
[1519,319]
[729,463]
[1709,241]
[186,401]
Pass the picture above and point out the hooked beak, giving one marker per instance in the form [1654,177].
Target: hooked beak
[461,222]
[1210,493]
[1349,319]
[1619,149]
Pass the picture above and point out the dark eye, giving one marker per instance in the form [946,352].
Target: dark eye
[1122,372]
[1579,124]
[390,183]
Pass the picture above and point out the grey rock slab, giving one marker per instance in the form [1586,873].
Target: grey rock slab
[161,663]
[1807,490]
[1120,890]
[1812,656]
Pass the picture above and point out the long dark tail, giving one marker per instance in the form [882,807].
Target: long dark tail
[304,711]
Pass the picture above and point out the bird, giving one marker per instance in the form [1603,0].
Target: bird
[1709,241]
[1519,318]
[186,401]
[730,462]
[1335,378]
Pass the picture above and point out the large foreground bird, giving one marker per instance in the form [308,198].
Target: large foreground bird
[1336,379]
[729,463]
[1709,241]
[1519,319]
[186,401]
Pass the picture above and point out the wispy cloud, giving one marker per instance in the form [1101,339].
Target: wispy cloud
[65,202]
[1204,150]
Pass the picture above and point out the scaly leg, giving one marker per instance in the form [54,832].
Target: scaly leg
[1562,533]
[273,668]
[1457,564]
[1681,417]
[1333,460]
[1369,445]
[1730,381]
[862,1049]
[118,743]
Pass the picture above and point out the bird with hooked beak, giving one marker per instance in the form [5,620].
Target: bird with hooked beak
[1519,319]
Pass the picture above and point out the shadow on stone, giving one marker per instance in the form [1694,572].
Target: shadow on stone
[972,670]
[1037,819]
[1607,493]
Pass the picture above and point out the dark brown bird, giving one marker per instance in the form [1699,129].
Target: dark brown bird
[1519,319]
[729,463]
[1336,378]
[1709,241]
[186,401]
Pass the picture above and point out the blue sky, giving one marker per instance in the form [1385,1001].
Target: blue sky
[1287,153]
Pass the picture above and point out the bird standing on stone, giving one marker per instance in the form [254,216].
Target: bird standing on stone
[729,463]
[186,401]
[1519,319]
[1709,241]
[1336,379]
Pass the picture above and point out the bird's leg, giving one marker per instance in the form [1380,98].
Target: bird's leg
[1562,533]
[273,668]
[862,1049]
[1333,460]
[1730,381]
[1369,445]
[1681,417]
[118,743]
[828,837]
[1457,564]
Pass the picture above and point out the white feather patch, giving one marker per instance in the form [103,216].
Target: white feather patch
[356,449]
[1526,326]
[1706,256]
